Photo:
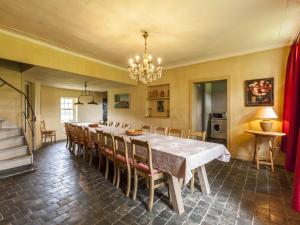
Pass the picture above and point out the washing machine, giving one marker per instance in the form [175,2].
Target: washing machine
[218,128]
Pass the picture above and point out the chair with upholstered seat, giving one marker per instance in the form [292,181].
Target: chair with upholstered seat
[175,132]
[161,130]
[146,128]
[100,147]
[143,167]
[198,135]
[47,133]
[123,161]
[110,154]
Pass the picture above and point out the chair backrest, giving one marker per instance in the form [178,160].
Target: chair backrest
[121,147]
[118,124]
[137,158]
[146,128]
[109,142]
[100,138]
[67,129]
[197,134]
[110,123]
[161,130]
[126,125]
[43,125]
[175,132]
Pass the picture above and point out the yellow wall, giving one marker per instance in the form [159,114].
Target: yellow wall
[50,108]
[236,70]
[10,100]
[27,50]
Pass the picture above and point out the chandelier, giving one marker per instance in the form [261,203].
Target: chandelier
[86,93]
[143,69]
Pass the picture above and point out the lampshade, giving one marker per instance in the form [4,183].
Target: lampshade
[266,113]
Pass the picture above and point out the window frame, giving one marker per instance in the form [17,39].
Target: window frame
[73,109]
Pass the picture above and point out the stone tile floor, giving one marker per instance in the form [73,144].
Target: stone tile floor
[66,190]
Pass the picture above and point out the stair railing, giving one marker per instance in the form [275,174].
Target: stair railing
[30,120]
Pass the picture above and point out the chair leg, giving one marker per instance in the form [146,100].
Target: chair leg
[99,163]
[136,182]
[193,181]
[91,156]
[67,142]
[106,168]
[115,174]
[151,196]
[118,176]
[128,180]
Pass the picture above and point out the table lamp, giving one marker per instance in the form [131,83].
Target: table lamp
[266,114]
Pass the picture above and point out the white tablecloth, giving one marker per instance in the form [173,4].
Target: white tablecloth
[177,156]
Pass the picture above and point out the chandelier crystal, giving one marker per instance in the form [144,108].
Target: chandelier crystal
[143,69]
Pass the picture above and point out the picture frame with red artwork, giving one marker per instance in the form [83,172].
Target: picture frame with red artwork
[259,92]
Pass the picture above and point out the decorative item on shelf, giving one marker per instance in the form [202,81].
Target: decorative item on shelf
[162,94]
[160,106]
[86,93]
[134,132]
[259,92]
[154,95]
[266,114]
[122,101]
[143,69]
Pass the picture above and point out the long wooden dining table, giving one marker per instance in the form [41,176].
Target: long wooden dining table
[177,157]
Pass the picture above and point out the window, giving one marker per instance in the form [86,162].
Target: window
[68,111]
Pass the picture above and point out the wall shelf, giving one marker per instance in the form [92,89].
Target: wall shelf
[158,101]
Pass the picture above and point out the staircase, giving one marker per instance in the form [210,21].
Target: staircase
[14,153]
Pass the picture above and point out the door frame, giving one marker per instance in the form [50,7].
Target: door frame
[212,79]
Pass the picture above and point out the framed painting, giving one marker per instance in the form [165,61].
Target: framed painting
[122,101]
[259,92]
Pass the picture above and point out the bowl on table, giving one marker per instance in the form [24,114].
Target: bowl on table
[93,125]
[132,132]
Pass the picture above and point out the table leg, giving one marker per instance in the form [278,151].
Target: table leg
[255,149]
[271,144]
[205,188]
[175,194]
[258,140]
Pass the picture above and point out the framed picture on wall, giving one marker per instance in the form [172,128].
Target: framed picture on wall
[122,101]
[259,92]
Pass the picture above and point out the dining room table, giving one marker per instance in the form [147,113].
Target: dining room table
[177,157]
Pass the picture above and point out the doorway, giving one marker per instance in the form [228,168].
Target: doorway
[209,109]
[104,109]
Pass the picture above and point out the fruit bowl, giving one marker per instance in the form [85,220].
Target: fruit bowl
[93,125]
[134,132]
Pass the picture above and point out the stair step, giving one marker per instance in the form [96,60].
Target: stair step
[11,142]
[11,152]
[9,132]
[16,162]
[17,171]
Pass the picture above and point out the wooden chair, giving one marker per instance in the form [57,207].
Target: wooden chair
[47,133]
[110,154]
[161,130]
[123,161]
[198,135]
[67,131]
[110,123]
[146,128]
[118,124]
[126,126]
[175,132]
[143,167]
[100,147]
[90,145]
[80,136]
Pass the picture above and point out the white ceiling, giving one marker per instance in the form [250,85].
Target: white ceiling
[181,32]
[61,79]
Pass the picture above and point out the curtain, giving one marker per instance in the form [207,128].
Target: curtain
[291,120]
